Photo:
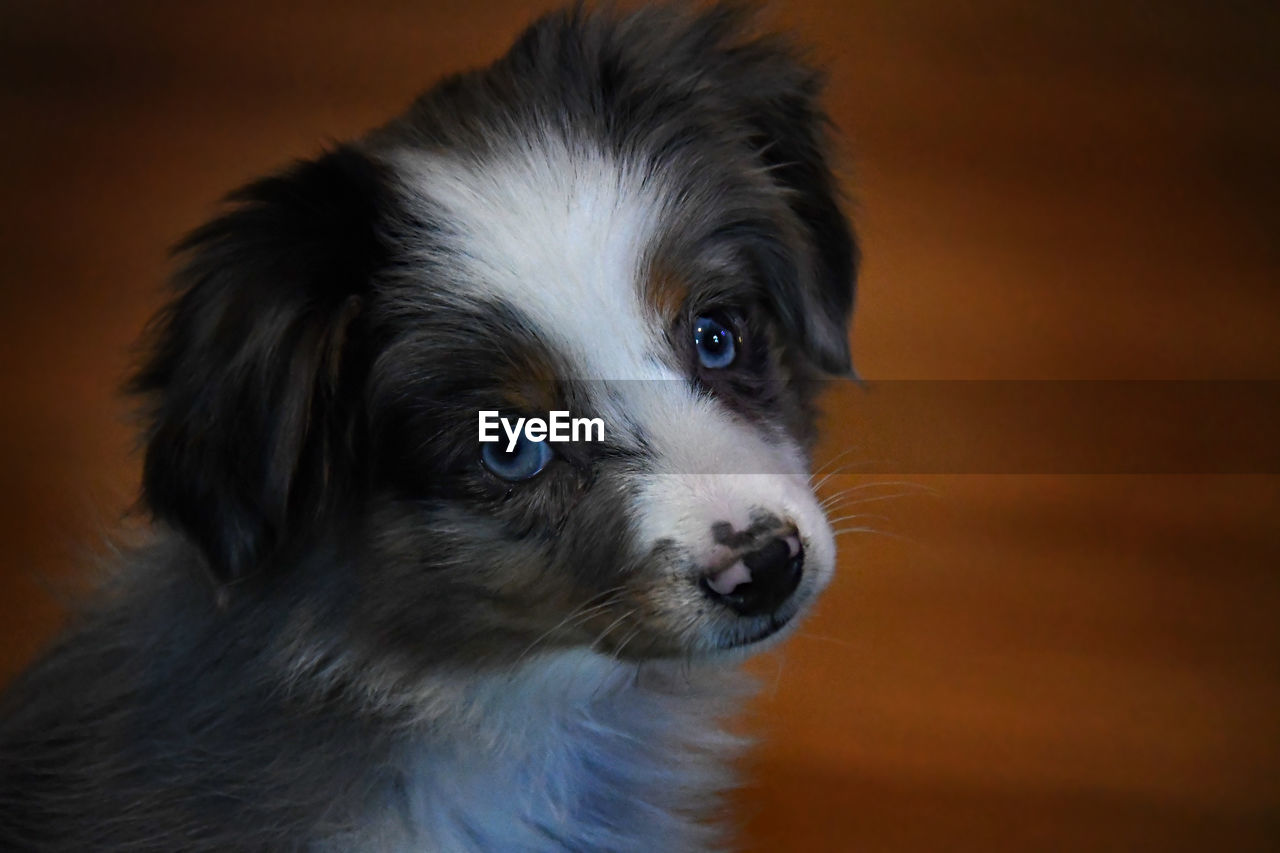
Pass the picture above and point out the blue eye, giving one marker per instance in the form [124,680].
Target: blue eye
[715,343]
[525,461]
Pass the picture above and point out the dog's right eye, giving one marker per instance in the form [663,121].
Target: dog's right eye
[525,460]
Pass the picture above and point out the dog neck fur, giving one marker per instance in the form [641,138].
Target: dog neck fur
[568,751]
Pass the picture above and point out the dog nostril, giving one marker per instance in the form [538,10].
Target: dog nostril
[761,580]
[768,558]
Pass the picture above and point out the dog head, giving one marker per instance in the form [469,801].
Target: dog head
[630,219]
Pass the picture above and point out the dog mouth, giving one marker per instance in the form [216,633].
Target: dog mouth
[773,624]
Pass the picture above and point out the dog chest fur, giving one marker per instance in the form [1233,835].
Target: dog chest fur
[573,751]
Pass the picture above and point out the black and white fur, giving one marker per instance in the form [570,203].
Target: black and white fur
[346,633]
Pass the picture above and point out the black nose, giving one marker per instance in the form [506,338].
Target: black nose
[773,573]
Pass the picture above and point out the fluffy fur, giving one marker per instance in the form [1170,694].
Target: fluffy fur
[346,633]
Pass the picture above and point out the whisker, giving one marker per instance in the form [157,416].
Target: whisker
[844,504]
[843,518]
[881,484]
[611,626]
[628,637]
[830,463]
[834,640]
[848,469]
[777,676]
[848,530]
[912,484]
[579,614]
[842,500]
[872,498]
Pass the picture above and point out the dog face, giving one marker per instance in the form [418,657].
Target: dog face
[627,219]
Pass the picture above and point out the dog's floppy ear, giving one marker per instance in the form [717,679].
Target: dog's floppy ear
[252,378]
[792,131]
[778,93]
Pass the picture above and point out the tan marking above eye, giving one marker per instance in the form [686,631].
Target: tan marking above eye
[665,292]
[531,386]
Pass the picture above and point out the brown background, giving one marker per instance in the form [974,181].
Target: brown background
[1051,190]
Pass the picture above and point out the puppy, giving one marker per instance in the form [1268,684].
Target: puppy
[356,626]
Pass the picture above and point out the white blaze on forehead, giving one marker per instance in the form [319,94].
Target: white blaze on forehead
[560,234]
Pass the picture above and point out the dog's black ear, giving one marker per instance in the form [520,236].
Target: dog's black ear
[252,380]
[778,94]
[791,134]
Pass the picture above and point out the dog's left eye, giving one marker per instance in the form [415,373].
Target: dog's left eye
[526,460]
[715,343]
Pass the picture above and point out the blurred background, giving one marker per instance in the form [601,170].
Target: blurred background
[1026,651]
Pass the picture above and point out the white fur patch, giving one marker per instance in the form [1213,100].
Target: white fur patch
[561,234]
